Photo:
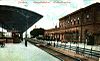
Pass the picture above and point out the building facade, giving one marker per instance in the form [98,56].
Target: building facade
[78,25]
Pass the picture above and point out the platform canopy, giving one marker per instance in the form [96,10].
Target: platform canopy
[17,19]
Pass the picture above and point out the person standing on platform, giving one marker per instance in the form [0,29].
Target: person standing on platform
[26,43]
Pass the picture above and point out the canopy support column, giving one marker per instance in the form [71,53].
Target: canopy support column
[2,30]
[26,31]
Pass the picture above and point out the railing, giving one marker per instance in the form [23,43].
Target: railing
[89,52]
[80,50]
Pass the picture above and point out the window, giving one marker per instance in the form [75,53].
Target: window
[87,16]
[78,20]
[71,20]
[74,22]
[68,22]
[74,19]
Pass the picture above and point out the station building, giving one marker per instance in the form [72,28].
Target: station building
[75,26]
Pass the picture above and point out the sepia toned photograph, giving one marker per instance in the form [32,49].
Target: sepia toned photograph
[49,30]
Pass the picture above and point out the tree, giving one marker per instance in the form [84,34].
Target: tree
[36,32]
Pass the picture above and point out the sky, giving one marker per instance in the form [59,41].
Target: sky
[51,10]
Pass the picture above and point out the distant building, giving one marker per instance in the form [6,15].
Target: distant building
[76,26]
